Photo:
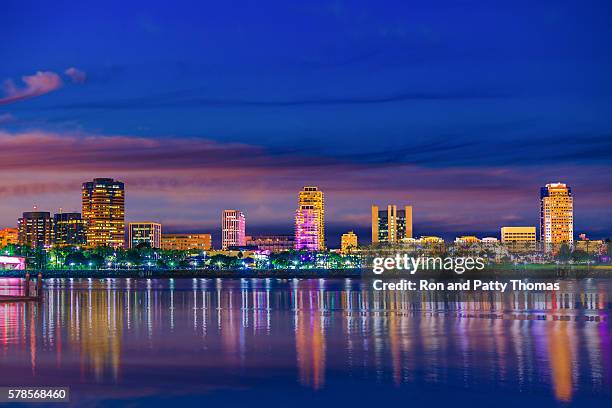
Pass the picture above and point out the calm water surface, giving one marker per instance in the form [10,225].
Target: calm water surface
[261,341]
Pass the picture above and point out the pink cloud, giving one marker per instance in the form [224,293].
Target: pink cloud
[35,85]
[76,75]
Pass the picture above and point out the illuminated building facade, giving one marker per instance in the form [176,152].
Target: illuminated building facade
[144,233]
[310,220]
[272,243]
[591,246]
[9,236]
[233,226]
[467,239]
[556,215]
[35,229]
[391,225]
[104,212]
[490,241]
[431,240]
[519,239]
[69,229]
[348,242]
[186,242]
[307,226]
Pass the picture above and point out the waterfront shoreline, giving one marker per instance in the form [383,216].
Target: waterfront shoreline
[522,271]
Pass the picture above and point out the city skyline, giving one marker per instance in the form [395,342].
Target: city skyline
[326,201]
[103,200]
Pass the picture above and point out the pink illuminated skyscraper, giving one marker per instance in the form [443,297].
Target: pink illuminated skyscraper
[233,227]
[306,229]
[309,220]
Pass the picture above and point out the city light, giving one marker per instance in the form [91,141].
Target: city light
[392,227]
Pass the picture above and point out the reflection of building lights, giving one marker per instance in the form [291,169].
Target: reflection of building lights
[12,262]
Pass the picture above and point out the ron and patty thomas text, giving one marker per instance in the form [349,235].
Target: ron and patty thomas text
[476,284]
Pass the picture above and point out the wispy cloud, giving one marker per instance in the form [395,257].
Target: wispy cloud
[35,85]
[197,98]
[76,75]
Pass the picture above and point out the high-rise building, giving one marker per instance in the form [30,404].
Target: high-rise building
[519,239]
[233,229]
[35,229]
[556,215]
[348,242]
[391,225]
[186,242]
[104,212]
[310,220]
[9,236]
[146,233]
[272,243]
[69,229]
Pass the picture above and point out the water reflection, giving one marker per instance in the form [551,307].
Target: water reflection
[310,332]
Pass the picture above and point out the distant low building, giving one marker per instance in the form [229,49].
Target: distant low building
[467,239]
[519,239]
[348,242]
[272,243]
[186,242]
[9,236]
[144,233]
[431,240]
[490,241]
[592,247]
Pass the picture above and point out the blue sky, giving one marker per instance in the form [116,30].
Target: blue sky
[462,108]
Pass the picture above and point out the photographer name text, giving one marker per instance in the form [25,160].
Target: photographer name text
[476,284]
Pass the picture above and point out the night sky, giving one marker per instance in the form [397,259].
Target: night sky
[461,108]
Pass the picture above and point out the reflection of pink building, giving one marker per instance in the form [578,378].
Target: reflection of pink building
[12,262]
[307,229]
